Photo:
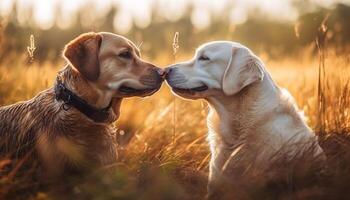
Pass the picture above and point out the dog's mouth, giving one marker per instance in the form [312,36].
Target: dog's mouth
[191,90]
[130,91]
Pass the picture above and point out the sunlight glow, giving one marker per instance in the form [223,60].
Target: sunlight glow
[63,13]
[200,18]
[43,13]
[174,9]
[122,22]
[23,13]
[5,7]
[133,10]
[66,15]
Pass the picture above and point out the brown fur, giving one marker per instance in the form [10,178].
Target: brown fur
[65,140]
[82,53]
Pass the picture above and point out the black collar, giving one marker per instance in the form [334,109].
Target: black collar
[70,99]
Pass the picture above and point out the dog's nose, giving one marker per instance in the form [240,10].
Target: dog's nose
[168,70]
[161,72]
[152,78]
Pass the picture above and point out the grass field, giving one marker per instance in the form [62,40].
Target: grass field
[167,157]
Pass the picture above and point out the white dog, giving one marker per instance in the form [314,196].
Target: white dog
[246,107]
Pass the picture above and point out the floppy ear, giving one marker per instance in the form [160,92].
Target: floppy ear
[82,54]
[243,69]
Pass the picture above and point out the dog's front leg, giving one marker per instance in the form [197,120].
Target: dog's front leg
[214,190]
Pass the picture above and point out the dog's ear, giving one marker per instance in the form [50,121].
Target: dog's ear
[242,70]
[82,54]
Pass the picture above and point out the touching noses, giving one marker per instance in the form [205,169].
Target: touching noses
[162,72]
[168,71]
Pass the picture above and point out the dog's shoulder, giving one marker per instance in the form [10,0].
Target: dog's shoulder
[19,122]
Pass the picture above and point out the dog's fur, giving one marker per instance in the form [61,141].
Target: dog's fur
[99,64]
[247,109]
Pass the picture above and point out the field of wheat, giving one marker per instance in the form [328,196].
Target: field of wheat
[164,152]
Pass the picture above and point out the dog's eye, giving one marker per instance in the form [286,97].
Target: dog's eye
[125,54]
[203,57]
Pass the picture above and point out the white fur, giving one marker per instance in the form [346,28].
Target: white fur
[254,112]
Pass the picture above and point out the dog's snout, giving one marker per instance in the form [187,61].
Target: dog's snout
[159,76]
[168,71]
[174,77]
[153,78]
[161,72]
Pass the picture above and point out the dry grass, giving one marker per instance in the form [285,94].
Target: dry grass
[156,165]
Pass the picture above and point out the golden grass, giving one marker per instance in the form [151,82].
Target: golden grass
[184,158]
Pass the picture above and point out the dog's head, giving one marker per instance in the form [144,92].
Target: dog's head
[112,63]
[224,67]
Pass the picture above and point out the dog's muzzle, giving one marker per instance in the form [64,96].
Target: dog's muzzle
[177,82]
[151,82]
[153,78]
[174,78]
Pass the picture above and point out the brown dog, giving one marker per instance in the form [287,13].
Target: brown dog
[69,126]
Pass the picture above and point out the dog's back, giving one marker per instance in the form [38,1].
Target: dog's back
[20,123]
[62,141]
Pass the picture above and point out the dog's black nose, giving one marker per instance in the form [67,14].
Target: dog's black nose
[168,71]
[162,72]
[158,75]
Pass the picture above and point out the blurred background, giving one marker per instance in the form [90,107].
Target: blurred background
[272,28]
[284,33]
[305,45]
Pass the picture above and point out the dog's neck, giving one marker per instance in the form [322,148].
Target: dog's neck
[245,101]
[242,111]
[89,92]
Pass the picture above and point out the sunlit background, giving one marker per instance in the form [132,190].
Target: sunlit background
[283,33]
[168,149]
[273,27]
[64,13]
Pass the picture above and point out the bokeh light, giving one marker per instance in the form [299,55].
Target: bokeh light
[63,13]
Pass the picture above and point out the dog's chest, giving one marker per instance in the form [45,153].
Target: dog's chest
[225,132]
[84,147]
[230,128]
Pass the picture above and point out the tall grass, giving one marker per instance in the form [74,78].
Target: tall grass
[156,163]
